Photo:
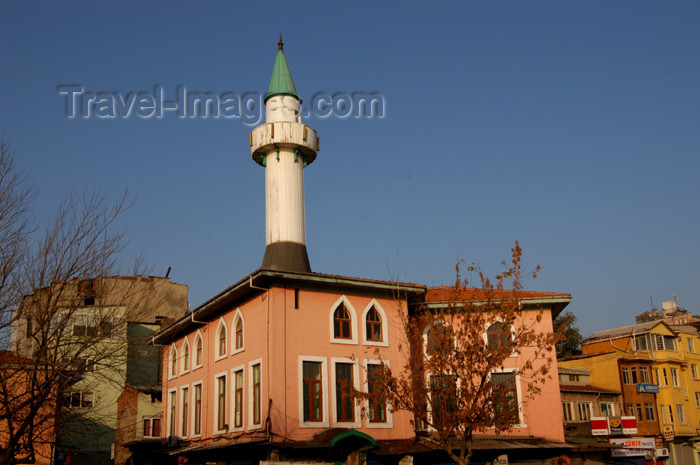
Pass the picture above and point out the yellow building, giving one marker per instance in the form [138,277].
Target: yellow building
[654,361]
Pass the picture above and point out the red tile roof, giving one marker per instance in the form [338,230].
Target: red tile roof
[443,293]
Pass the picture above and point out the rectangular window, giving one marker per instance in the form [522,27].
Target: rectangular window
[670,413]
[644,375]
[506,396]
[185,410]
[312,391]
[638,412]
[256,394]
[171,416]
[633,370]
[584,411]
[625,375]
[665,376]
[568,411]
[151,427]
[657,341]
[78,399]
[641,342]
[694,371]
[221,403]
[377,409]
[630,409]
[443,392]
[697,399]
[197,409]
[669,343]
[681,414]
[691,348]
[607,409]
[658,378]
[238,399]
[662,409]
[574,378]
[674,377]
[343,392]
[649,407]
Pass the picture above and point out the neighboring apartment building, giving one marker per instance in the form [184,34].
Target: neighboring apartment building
[97,319]
[265,370]
[582,400]
[655,362]
[29,411]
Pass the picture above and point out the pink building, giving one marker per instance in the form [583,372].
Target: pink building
[264,370]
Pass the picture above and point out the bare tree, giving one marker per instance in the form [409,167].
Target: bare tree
[467,347]
[62,320]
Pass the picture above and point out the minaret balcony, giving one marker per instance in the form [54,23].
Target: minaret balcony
[269,138]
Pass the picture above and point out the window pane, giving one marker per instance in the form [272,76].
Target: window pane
[343,392]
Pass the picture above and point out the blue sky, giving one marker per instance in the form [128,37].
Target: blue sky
[569,126]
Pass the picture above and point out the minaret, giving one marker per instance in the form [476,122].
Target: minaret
[284,146]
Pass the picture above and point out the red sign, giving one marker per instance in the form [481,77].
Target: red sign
[599,426]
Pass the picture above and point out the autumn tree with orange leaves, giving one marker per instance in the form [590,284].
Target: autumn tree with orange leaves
[468,346]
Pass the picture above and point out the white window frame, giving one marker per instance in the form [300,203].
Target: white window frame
[590,410]
[691,346]
[217,338]
[215,389]
[697,399]
[172,417]
[201,410]
[680,409]
[251,397]
[485,335]
[194,363]
[353,322]
[232,414]
[611,407]
[185,357]
[385,326]
[356,384]
[181,397]
[389,423]
[570,405]
[237,316]
[674,377]
[325,397]
[694,371]
[518,390]
[172,354]
[428,328]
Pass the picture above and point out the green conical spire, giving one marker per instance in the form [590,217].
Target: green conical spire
[281,82]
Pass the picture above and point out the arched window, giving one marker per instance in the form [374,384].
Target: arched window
[173,360]
[198,350]
[373,325]
[185,355]
[239,333]
[440,339]
[498,335]
[342,323]
[221,340]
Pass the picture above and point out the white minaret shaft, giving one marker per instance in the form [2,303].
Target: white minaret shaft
[284,146]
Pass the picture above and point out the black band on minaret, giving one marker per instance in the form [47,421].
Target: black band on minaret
[286,256]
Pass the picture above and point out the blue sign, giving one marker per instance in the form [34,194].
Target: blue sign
[653,388]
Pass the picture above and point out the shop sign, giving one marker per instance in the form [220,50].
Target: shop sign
[599,426]
[634,447]
[653,388]
[669,435]
[629,425]
[635,443]
[661,452]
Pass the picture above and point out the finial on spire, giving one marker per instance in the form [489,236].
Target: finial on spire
[280,44]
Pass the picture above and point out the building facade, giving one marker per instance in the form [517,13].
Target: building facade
[267,370]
